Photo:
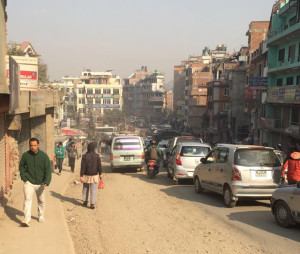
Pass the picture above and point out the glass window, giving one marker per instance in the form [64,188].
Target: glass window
[194,151]
[81,100]
[223,156]
[89,91]
[256,158]
[127,144]
[97,91]
[279,82]
[281,55]
[290,81]
[116,91]
[97,101]
[116,101]
[211,158]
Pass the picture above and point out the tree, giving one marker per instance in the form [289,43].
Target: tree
[13,49]
[113,117]
[43,72]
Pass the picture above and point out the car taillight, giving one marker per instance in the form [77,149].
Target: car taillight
[143,156]
[151,163]
[236,175]
[178,160]
[111,157]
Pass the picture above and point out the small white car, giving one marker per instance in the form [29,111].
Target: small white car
[285,204]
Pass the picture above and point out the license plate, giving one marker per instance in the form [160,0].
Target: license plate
[152,168]
[126,158]
[260,173]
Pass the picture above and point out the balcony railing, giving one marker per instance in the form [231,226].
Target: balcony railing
[291,26]
[281,126]
[282,65]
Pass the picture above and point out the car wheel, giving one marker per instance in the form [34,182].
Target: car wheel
[227,196]
[283,214]
[198,187]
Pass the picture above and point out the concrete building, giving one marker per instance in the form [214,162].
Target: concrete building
[5,180]
[256,73]
[129,90]
[169,101]
[98,92]
[283,111]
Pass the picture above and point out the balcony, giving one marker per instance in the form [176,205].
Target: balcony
[291,63]
[284,94]
[277,125]
[285,32]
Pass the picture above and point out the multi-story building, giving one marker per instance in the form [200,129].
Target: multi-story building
[256,73]
[169,101]
[98,92]
[129,90]
[283,101]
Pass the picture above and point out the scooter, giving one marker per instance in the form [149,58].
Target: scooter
[152,168]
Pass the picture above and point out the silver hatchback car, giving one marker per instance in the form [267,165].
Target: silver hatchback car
[184,159]
[239,171]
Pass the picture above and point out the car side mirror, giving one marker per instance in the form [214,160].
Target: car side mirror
[203,160]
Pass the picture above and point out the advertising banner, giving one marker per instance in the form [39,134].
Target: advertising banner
[258,82]
[28,75]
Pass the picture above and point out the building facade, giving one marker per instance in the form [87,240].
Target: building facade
[283,101]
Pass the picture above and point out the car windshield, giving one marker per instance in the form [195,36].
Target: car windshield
[127,144]
[194,151]
[256,158]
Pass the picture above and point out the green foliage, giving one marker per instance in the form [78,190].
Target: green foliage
[113,117]
[13,49]
[43,72]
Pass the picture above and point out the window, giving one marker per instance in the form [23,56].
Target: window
[97,101]
[194,151]
[90,101]
[80,91]
[96,81]
[106,91]
[279,82]
[292,53]
[116,91]
[127,144]
[116,101]
[89,91]
[211,158]
[97,91]
[289,81]
[298,80]
[223,156]
[281,55]
[226,91]
[106,101]
[81,101]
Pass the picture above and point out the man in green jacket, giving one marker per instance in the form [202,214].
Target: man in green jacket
[35,172]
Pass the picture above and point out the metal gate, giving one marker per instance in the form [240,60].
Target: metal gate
[2,156]
[38,130]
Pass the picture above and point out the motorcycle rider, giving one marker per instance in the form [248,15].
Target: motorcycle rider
[153,153]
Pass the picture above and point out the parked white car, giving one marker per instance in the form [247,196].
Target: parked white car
[285,205]
[239,171]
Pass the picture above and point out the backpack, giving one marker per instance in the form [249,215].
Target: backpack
[153,153]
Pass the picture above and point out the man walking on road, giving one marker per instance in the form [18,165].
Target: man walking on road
[292,164]
[72,154]
[35,172]
[59,152]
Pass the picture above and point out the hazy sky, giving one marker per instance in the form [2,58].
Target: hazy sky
[123,35]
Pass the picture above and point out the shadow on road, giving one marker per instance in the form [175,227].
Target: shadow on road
[66,199]
[264,220]
[12,213]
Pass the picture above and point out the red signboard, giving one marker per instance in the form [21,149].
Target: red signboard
[28,75]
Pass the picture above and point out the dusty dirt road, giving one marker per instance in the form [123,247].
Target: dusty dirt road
[138,215]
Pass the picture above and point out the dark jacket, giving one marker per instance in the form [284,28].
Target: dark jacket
[90,164]
[292,163]
[35,168]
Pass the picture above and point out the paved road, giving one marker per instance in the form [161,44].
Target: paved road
[136,214]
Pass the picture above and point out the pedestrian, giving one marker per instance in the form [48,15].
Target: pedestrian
[59,151]
[292,164]
[90,173]
[72,154]
[35,172]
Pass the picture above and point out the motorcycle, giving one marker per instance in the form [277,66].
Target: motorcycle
[152,168]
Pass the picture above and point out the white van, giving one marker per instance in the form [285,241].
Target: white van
[127,152]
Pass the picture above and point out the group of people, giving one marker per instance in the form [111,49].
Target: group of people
[60,153]
[36,173]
